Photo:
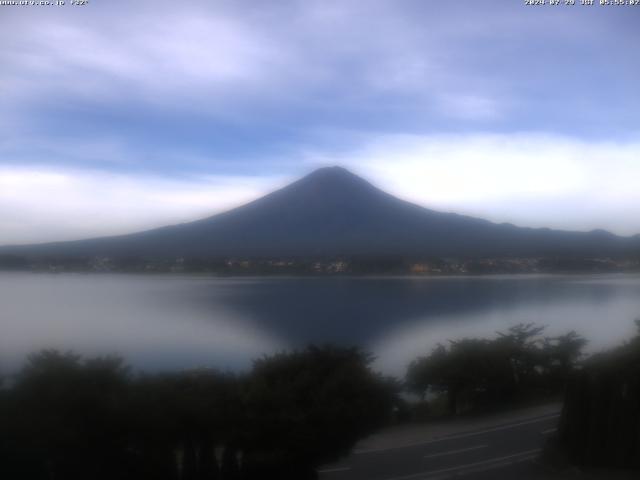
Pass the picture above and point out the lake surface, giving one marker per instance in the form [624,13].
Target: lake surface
[174,322]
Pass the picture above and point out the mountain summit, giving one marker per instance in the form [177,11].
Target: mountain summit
[333,212]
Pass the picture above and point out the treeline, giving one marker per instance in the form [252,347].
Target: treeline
[64,417]
[321,265]
[475,374]
[600,422]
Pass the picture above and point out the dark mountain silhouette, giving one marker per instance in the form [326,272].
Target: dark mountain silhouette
[334,212]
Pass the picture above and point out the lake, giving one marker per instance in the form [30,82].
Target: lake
[182,321]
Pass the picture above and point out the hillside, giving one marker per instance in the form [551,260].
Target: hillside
[334,212]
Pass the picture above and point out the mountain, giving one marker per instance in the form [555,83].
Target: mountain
[334,212]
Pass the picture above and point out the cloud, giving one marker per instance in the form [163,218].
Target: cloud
[44,204]
[531,179]
[179,53]
[470,107]
[317,63]
[125,93]
[214,54]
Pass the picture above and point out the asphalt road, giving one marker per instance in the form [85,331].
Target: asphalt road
[503,447]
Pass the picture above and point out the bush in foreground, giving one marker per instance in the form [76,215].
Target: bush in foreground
[518,365]
[69,418]
[600,421]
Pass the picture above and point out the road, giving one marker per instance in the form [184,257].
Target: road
[501,446]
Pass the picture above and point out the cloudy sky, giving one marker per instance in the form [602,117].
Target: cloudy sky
[123,115]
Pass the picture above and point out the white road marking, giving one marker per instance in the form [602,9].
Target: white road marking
[453,452]
[489,464]
[334,470]
[460,435]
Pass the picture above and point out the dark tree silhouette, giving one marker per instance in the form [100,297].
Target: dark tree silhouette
[309,407]
[65,417]
[478,373]
[70,418]
[600,420]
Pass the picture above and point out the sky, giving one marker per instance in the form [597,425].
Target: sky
[119,116]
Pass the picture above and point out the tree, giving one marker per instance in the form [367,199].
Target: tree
[470,372]
[480,373]
[72,418]
[308,407]
[601,413]
[64,416]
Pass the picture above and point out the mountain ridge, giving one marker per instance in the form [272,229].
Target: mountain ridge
[331,212]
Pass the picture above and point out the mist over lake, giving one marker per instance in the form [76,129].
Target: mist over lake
[179,321]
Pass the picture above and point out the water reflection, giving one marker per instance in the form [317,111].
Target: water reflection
[184,321]
[147,319]
[365,310]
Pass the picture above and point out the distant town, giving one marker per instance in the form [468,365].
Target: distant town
[346,265]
